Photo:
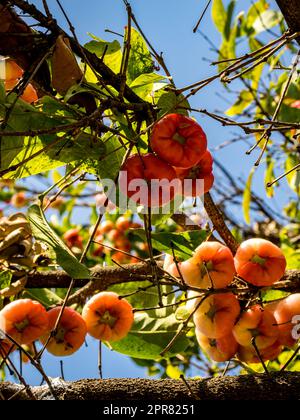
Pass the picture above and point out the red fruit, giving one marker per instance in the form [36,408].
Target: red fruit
[57,203]
[296,104]
[98,251]
[249,355]
[284,312]
[123,244]
[107,317]
[148,180]
[215,266]
[218,349]
[123,223]
[217,315]
[71,332]
[134,260]
[120,257]
[18,200]
[114,234]
[178,140]
[73,238]
[134,225]
[106,227]
[29,95]
[260,262]
[12,70]
[202,171]
[25,320]
[257,323]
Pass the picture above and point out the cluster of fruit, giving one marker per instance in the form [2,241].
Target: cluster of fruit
[12,76]
[227,323]
[111,239]
[105,317]
[179,153]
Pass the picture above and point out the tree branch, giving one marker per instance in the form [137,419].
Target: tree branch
[103,277]
[219,224]
[281,386]
[291,12]
[108,75]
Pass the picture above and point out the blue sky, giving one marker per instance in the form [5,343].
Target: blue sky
[168,24]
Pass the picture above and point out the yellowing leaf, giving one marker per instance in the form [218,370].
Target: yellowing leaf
[247,197]
[219,15]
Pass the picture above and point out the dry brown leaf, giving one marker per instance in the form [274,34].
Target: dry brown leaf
[65,69]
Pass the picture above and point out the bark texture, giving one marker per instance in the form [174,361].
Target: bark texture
[281,386]
[291,12]
[102,277]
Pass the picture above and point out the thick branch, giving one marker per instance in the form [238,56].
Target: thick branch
[291,12]
[103,277]
[282,386]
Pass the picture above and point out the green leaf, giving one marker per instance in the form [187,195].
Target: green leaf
[227,49]
[5,279]
[230,12]
[66,151]
[266,20]
[2,92]
[254,12]
[244,100]
[45,296]
[294,177]
[109,166]
[112,50]
[15,150]
[140,60]
[139,300]
[62,254]
[184,243]
[168,102]
[219,15]
[143,85]
[271,295]
[269,176]
[149,337]
[247,198]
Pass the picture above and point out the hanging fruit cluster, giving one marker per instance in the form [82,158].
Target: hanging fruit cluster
[180,154]
[227,321]
[63,330]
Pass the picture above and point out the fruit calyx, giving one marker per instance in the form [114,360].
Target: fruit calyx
[212,312]
[256,259]
[206,267]
[60,335]
[179,138]
[20,326]
[108,319]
